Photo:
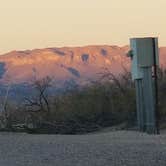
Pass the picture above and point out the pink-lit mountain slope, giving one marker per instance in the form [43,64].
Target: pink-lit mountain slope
[81,64]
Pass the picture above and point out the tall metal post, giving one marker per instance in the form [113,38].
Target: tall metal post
[149,100]
[157,113]
[141,116]
[144,55]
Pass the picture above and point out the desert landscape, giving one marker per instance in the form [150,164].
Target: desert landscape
[82,83]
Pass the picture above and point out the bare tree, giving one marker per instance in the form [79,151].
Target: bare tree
[120,81]
[39,104]
[40,101]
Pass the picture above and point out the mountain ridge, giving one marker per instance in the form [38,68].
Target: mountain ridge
[80,64]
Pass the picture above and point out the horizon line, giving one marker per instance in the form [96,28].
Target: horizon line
[70,46]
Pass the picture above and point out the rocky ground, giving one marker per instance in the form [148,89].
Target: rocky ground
[116,148]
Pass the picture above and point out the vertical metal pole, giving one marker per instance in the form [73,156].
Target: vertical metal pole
[144,55]
[141,116]
[156,88]
[149,100]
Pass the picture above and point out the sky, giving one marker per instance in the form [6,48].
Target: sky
[29,24]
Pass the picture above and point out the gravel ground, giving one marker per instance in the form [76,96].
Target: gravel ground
[118,148]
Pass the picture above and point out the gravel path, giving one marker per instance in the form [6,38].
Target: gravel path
[119,148]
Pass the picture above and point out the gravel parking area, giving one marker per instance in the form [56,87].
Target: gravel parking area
[118,148]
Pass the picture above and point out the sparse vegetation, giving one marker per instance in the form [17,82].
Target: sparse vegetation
[110,101]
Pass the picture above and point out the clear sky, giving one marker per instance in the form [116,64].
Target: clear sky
[28,24]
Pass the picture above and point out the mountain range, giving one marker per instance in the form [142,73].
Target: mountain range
[67,66]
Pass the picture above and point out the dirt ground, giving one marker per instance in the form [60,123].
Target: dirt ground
[116,148]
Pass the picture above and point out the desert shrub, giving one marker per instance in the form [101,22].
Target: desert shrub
[99,105]
[107,102]
[102,104]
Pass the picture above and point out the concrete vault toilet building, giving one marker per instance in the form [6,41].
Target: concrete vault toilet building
[145,59]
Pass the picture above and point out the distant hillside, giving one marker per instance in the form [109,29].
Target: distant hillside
[67,65]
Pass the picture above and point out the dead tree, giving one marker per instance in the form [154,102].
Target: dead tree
[120,81]
[39,103]
[38,106]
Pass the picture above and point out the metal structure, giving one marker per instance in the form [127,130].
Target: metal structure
[145,59]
